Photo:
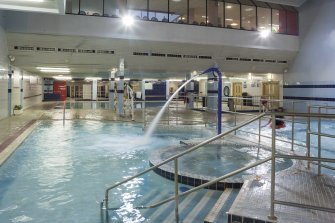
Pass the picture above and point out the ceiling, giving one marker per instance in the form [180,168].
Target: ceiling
[48,51]
[83,64]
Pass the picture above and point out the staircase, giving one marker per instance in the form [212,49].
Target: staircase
[207,206]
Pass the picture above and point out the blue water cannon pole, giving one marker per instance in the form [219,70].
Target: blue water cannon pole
[216,70]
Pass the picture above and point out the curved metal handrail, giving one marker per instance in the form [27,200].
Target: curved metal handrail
[193,148]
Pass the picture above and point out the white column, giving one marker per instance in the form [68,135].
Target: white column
[111,90]
[21,89]
[189,88]
[120,87]
[94,89]
[10,74]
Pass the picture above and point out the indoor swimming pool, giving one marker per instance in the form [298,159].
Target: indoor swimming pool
[59,173]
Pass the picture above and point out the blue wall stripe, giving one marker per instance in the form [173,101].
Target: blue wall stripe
[310,86]
[309,98]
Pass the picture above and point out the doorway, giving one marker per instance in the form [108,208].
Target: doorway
[237,92]
[271,91]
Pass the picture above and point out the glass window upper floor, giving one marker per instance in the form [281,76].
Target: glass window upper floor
[233,14]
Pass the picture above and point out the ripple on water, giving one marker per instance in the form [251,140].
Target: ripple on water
[21,218]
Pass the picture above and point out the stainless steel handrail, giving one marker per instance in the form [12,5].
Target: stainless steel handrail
[193,148]
[230,174]
[315,160]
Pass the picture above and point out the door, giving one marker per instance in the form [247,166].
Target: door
[237,92]
[271,91]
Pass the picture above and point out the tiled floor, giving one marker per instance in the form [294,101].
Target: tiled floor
[298,185]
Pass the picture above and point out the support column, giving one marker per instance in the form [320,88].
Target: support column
[21,89]
[111,90]
[120,87]
[212,89]
[10,74]
[189,89]
[94,89]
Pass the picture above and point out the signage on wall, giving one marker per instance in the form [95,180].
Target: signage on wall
[244,84]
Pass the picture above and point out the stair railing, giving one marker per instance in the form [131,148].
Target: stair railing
[317,160]
[105,206]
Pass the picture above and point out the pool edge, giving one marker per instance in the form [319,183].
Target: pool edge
[8,147]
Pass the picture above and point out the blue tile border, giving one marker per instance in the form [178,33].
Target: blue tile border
[308,98]
[191,181]
[310,86]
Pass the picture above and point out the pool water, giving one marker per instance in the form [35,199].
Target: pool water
[327,127]
[59,173]
[217,160]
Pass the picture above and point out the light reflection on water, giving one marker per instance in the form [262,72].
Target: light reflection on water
[61,172]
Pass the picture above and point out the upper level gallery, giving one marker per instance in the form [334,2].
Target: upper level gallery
[249,15]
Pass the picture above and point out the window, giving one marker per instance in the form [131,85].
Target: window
[138,9]
[114,8]
[91,7]
[72,6]
[264,19]
[292,22]
[197,12]
[215,13]
[232,12]
[178,11]
[248,17]
[278,21]
[158,10]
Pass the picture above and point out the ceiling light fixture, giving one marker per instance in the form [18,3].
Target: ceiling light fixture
[34,1]
[61,77]
[128,20]
[92,78]
[229,6]
[54,69]
[265,33]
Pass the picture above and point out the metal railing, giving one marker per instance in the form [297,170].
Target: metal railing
[319,134]
[105,205]
[307,158]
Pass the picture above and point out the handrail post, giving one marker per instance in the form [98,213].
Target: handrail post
[259,124]
[319,142]
[273,168]
[176,189]
[64,112]
[293,119]
[168,110]
[308,137]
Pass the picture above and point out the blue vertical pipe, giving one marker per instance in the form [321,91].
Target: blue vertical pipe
[219,101]
[217,71]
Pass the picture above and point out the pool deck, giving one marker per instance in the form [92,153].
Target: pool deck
[298,185]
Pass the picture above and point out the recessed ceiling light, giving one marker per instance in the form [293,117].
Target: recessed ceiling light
[28,1]
[234,24]
[54,69]
[128,20]
[229,7]
[61,77]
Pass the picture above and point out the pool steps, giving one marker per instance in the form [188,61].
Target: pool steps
[215,211]
[207,206]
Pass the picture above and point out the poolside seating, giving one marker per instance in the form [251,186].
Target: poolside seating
[202,23]
[165,20]
[154,19]
[145,18]
[96,14]
[195,23]
[82,13]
